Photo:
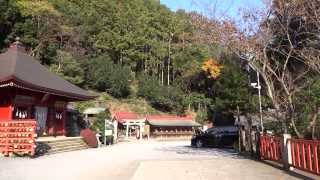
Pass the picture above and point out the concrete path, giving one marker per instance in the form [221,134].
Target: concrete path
[137,161]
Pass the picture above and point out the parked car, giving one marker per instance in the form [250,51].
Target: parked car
[224,136]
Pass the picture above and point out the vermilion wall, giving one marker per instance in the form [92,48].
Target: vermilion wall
[5,105]
[54,126]
[5,113]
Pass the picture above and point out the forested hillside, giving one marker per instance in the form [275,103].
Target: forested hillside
[139,52]
[129,49]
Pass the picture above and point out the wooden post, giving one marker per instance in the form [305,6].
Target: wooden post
[140,131]
[104,134]
[115,131]
[127,130]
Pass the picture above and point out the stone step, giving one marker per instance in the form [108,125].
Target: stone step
[68,144]
[65,145]
[66,150]
[64,141]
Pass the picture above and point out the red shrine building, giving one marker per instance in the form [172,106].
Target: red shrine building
[28,90]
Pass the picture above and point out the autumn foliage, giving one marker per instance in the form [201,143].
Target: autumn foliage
[212,67]
[89,137]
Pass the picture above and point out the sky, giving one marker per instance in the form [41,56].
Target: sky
[228,8]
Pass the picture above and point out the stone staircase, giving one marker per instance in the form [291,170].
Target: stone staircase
[63,144]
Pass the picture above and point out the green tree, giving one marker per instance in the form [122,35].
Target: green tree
[67,67]
[104,75]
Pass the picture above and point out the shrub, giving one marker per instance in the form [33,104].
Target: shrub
[98,124]
[89,137]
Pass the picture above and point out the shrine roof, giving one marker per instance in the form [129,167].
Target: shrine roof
[21,70]
[171,120]
[124,116]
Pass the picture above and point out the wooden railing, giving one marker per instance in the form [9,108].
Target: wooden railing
[305,155]
[271,148]
[17,136]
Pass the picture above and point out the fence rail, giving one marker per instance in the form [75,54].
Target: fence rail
[271,148]
[17,136]
[305,155]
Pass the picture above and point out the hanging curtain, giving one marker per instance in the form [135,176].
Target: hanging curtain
[41,118]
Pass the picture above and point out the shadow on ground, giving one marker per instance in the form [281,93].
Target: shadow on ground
[297,173]
[210,152]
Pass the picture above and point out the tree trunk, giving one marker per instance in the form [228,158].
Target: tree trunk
[314,123]
[279,117]
[291,116]
[314,119]
[169,60]
[239,130]
[295,127]
[159,74]
[162,74]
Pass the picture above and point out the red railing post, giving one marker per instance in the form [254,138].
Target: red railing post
[316,160]
[298,155]
[309,157]
[303,156]
[270,148]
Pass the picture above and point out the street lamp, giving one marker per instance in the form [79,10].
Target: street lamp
[258,86]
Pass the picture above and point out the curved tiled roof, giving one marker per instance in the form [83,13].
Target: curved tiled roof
[178,123]
[19,69]
[170,120]
[123,116]
[169,117]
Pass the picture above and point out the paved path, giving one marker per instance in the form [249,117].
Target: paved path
[137,161]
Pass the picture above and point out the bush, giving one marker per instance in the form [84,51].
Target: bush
[89,137]
[98,124]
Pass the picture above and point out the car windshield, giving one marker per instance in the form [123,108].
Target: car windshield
[226,129]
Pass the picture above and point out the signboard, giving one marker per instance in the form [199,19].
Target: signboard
[108,132]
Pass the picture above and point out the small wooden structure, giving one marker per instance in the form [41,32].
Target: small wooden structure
[171,127]
[164,127]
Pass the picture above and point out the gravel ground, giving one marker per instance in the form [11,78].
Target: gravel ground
[138,160]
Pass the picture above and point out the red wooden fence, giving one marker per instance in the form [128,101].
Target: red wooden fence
[305,155]
[271,148]
[17,137]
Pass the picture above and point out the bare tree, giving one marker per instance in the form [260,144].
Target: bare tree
[282,44]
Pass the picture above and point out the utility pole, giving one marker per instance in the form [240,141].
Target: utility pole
[260,103]
[258,86]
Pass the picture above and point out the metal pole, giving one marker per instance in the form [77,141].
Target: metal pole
[260,103]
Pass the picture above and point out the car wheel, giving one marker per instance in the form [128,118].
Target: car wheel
[199,144]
